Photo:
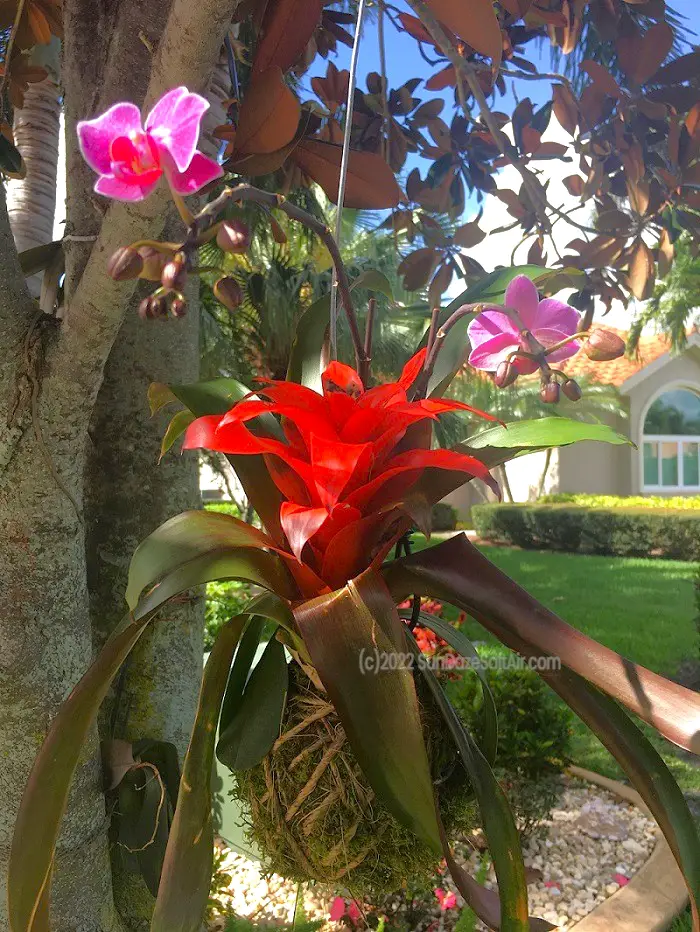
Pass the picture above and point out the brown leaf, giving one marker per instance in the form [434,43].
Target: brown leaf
[287,28]
[680,70]
[333,89]
[666,252]
[417,268]
[446,77]
[469,235]
[117,761]
[440,283]
[565,108]
[371,184]
[414,27]
[516,8]
[475,22]
[641,270]
[638,194]
[574,185]
[641,56]
[269,115]
[601,77]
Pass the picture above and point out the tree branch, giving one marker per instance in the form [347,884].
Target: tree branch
[187,53]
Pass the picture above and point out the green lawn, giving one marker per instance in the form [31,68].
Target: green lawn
[644,609]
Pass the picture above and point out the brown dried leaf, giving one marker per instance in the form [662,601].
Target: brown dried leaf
[269,115]
[641,270]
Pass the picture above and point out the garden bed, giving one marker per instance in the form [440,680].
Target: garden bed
[592,846]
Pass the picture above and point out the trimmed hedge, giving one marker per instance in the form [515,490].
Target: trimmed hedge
[608,531]
[588,500]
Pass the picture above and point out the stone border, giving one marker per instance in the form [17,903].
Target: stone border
[655,895]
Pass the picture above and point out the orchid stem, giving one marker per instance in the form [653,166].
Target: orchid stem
[182,208]
[369,333]
[208,216]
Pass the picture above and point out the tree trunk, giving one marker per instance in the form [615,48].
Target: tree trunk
[505,481]
[545,473]
[50,376]
[128,495]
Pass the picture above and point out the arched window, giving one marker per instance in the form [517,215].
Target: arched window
[671,442]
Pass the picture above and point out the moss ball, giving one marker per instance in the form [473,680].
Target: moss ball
[313,816]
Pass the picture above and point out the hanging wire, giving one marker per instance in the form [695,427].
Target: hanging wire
[352,82]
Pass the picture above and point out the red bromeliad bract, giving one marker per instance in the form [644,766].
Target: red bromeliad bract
[357,470]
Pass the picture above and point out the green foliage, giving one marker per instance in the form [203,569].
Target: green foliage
[444,517]
[588,500]
[224,600]
[675,299]
[534,732]
[613,531]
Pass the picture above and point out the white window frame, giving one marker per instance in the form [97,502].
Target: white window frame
[678,439]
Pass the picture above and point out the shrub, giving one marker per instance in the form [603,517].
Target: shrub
[534,732]
[444,517]
[587,500]
[224,600]
[608,531]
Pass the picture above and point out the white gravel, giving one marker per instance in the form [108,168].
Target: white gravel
[593,844]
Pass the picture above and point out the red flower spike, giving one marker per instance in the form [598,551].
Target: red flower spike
[356,472]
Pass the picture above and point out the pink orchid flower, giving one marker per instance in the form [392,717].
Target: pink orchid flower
[130,158]
[448,900]
[494,335]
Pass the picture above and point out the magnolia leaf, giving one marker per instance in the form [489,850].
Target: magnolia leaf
[378,710]
[287,28]
[269,115]
[641,55]
[371,184]
[457,572]
[496,815]
[641,271]
[498,445]
[255,724]
[475,22]
[188,864]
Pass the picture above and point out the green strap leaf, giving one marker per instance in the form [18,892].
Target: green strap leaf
[497,817]
[255,724]
[379,710]
[240,671]
[490,289]
[46,794]
[176,428]
[181,539]
[498,445]
[187,869]
[218,396]
[39,258]
[466,649]
[306,361]
[457,572]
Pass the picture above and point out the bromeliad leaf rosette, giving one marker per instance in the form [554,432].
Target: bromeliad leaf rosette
[328,751]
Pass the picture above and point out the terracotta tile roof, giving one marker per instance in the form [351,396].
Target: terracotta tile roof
[618,370]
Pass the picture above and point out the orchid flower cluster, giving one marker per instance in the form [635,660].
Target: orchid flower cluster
[524,335]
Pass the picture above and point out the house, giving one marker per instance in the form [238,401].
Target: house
[660,393]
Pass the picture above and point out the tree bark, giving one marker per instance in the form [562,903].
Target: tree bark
[128,495]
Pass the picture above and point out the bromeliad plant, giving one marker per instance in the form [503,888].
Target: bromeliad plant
[339,469]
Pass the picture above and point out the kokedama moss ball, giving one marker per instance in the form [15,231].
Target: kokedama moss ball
[313,816]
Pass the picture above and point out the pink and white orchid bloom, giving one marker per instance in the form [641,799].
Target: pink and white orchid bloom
[494,335]
[130,158]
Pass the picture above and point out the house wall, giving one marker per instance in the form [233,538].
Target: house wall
[601,468]
[679,372]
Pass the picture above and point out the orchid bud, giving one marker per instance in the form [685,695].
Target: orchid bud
[158,306]
[229,292]
[178,307]
[506,374]
[145,309]
[233,236]
[549,393]
[604,345]
[572,390]
[126,263]
[153,263]
[174,274]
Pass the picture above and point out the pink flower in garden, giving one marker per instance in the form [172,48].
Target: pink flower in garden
[337,909]
[494,335]
[621,880]
[130,158]
[448,900]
